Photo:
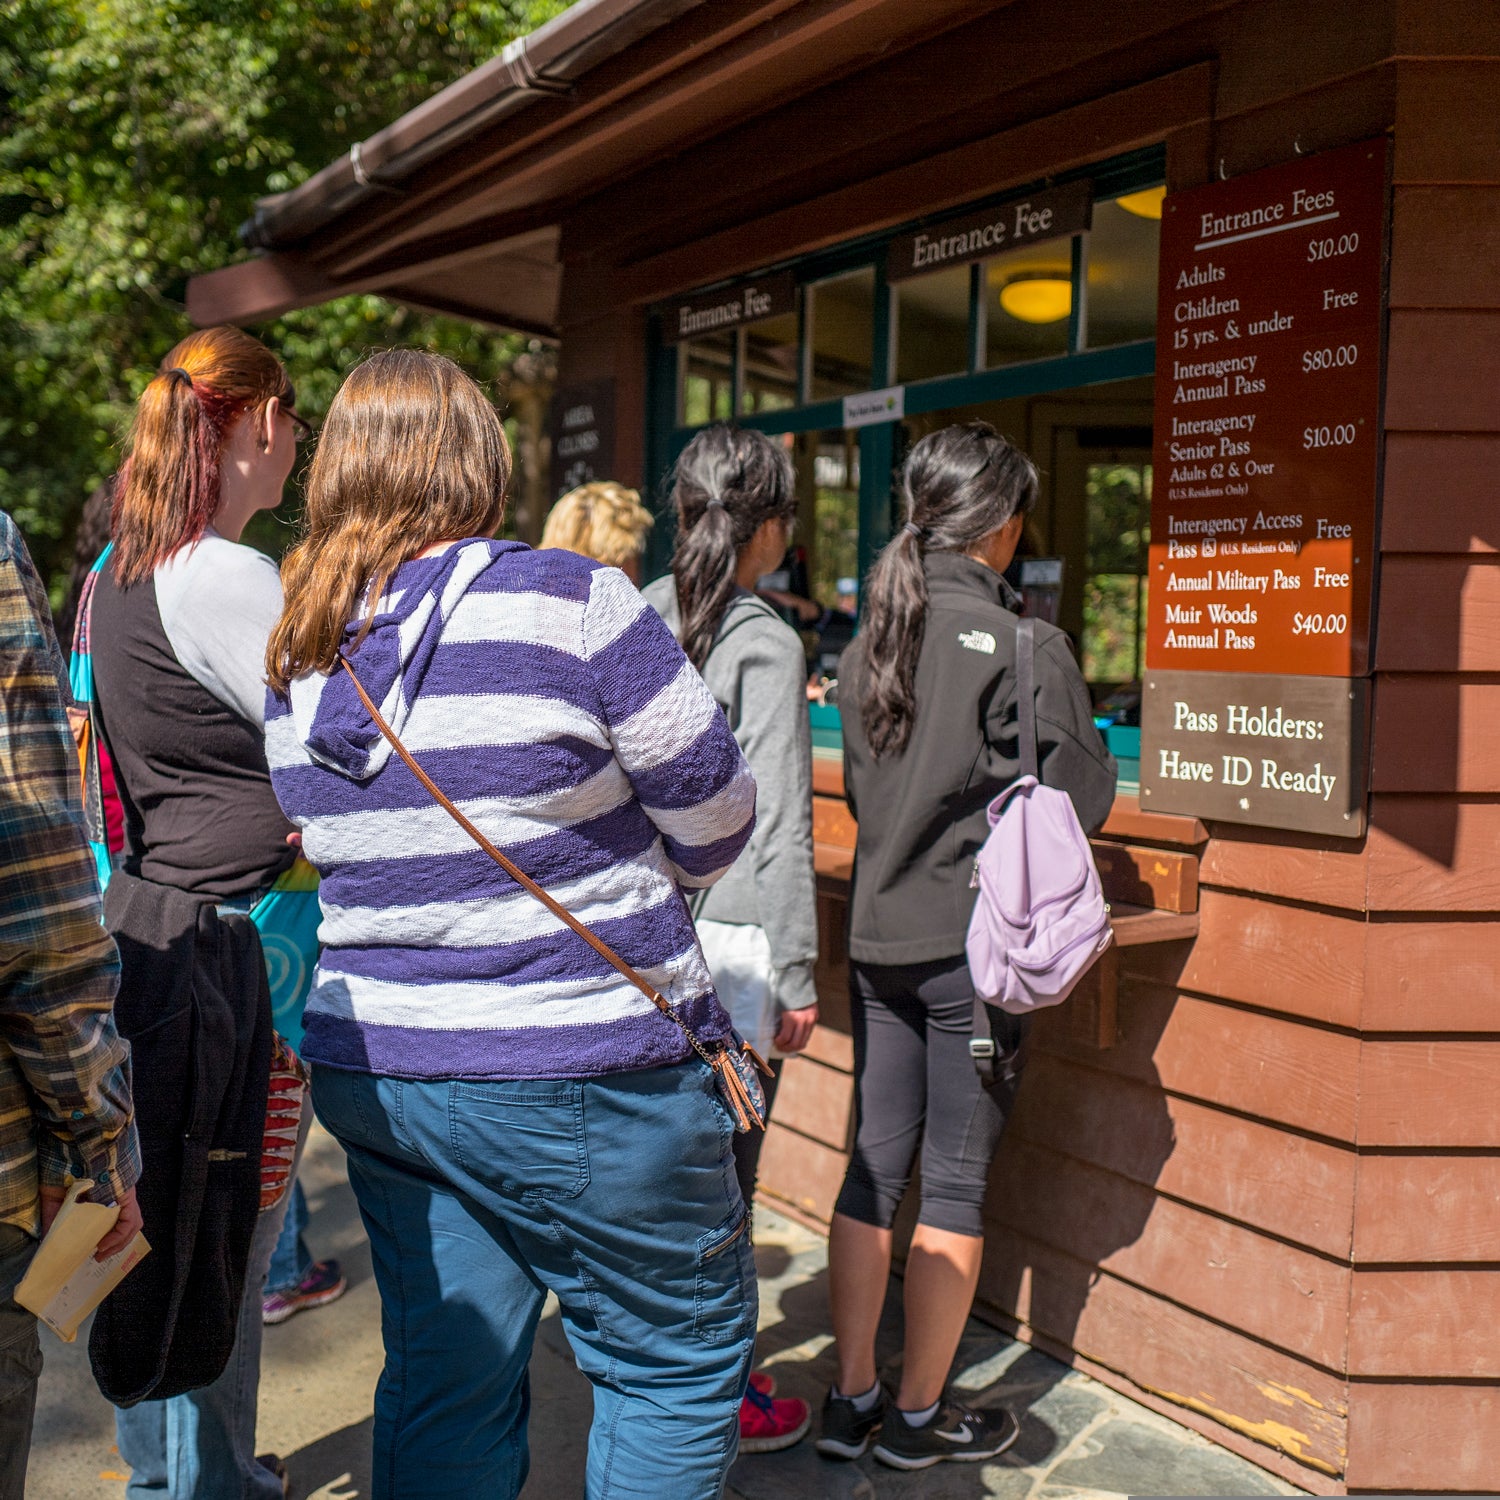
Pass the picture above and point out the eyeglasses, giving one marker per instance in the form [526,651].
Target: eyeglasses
[302,428]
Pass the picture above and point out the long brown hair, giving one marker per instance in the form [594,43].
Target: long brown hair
[961,484]
[169,487]
[729,482]
[411,454]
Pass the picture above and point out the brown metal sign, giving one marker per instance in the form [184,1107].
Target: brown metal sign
[729,307]
[1046,215]
[1268,365]
[1278,752]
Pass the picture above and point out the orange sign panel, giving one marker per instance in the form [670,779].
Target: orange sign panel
[1267,438]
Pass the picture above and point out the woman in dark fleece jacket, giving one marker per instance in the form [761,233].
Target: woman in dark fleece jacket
[927,697]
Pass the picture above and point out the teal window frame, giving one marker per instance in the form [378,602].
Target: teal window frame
[666,437]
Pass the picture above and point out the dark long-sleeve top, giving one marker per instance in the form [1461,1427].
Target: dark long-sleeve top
[921,812]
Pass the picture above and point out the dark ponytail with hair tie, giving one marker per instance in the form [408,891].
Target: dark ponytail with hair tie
[727,484]
[962,484]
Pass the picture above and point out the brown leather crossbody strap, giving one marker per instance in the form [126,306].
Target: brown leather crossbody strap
[521,878]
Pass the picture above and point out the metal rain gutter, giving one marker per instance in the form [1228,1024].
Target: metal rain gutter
[544,64]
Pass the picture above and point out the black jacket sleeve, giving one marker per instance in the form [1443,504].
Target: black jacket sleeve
[1070,749]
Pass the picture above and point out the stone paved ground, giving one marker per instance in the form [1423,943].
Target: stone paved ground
[1078,1439]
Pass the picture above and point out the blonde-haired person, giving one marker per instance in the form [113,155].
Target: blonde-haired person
[177,630]
[602,520]
[518,1118]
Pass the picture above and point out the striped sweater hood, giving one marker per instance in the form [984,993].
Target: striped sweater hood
[549,701]
[392,661]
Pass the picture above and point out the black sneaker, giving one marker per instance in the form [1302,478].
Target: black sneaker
[846,1429]
[953,1434]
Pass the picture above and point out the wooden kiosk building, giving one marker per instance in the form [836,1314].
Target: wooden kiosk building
[1254,1177]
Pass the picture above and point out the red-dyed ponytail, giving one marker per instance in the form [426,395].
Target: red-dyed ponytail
[169,487]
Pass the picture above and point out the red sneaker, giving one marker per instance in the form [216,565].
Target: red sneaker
[768,1425]
[763,1381]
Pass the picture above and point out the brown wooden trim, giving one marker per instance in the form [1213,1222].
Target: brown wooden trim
[1441,614]
[682,83]
[1437,733]
[1464,468]
[1445,247]
[1443,370]
[1294,960]
[1417,1209]
[1433,854]
[1162,879]
[1194,1366]
[1291,866]
[1447,127]
[1135,925]
[1100,128]
[1432,976]
[1127,821]
[833,825]
[1426,1322]
[1269,1067]
[1423,1435]
[1247,1170]
[1286,1297]
[1430,1093]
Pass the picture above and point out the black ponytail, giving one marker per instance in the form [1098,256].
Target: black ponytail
[728,483]
[961,484]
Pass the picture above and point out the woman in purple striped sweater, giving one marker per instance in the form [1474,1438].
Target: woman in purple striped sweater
[518,1118]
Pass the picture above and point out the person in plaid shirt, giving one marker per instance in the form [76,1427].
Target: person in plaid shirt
[65,1107]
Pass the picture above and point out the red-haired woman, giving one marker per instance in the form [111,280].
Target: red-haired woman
[179,621]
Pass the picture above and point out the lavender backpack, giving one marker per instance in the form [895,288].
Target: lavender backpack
[1040,920]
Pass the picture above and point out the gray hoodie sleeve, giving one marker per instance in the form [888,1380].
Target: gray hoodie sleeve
[774,731]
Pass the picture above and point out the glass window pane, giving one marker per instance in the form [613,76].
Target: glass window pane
[707,379]
[932,325]
[1119,534]
[843,334]
[1123,251]
[769,381]
[1028,295]
[827,465]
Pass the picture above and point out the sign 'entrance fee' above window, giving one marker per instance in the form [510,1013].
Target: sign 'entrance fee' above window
[1046,215]
[728,307]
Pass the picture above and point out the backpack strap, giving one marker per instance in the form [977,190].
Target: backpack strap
[982,1042]
[1026,748]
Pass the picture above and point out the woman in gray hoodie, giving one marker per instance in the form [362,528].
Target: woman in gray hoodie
[735,504]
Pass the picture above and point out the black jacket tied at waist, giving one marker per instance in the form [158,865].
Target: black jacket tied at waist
[196,1008]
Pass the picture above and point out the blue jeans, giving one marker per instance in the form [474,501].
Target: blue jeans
[201,1445]
[20,1363]
[616,1193]
[291,1260]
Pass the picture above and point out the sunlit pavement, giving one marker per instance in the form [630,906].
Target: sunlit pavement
[1078,1439]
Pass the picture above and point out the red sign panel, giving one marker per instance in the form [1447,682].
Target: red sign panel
[1268,359]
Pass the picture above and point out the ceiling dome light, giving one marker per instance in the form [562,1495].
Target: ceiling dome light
[1037,296]
[1144,205]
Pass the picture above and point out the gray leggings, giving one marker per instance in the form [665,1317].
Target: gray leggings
[916,1085]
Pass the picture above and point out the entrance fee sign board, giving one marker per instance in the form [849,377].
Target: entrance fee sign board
[1278,752]
[1267,436]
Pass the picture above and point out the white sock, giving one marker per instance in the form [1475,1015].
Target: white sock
[865,1402]
[921,1418]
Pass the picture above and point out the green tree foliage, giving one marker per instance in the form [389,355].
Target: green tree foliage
[135,136]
